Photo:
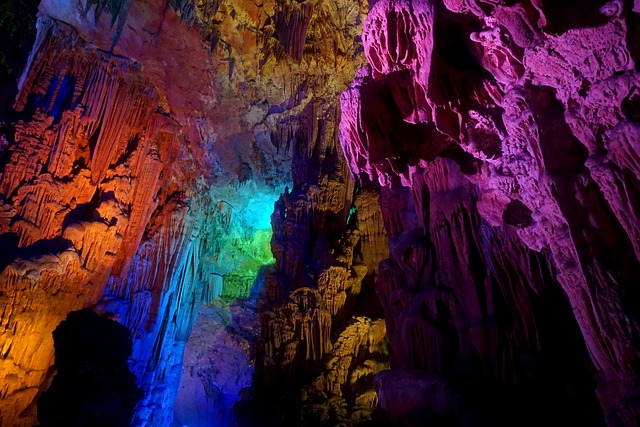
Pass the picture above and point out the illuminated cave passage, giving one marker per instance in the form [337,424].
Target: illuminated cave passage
[220,355]
[323,212]
[239,239]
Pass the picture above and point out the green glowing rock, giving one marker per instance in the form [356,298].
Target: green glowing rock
[239,241]
[257,251]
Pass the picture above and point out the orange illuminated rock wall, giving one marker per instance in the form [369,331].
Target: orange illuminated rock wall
[94,161]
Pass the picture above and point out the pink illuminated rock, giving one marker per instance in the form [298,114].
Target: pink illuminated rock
[523,199]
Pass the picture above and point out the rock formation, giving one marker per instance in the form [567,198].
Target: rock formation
[95,160]
[218,365]
[456,239]
[504,149]
[320,320]
[106,171]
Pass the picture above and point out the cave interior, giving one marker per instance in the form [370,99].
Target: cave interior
[393,213]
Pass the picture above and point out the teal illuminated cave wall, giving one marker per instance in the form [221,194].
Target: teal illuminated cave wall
[219,357]
[240,239]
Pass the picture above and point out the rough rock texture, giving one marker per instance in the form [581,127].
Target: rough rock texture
[328,234]
[105,176]
[319,314]
[320,319]
[344,393]
[95,159]
[218,365]
[488,157]
[503,136]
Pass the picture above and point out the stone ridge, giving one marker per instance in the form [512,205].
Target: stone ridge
[503,142]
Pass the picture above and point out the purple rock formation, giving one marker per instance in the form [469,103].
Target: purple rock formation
[502,140]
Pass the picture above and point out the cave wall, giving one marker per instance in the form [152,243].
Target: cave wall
[93,159]
[503,140]
[321,323]
[123,123]
[322,334]
[476,186]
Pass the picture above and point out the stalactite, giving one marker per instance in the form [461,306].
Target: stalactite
[111,95]
[161,284]
[353,346]
[83,180]
[292,22]
[526,127]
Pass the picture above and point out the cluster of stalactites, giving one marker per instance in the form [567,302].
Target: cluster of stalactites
[112,100]
[82,181]
[538,117]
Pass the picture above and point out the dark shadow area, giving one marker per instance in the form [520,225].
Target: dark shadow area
[563,15]
[516,213]
[633,34]
[17,32]
[567,385]
[469,165]
[7,138]
[8,249]
[561,390]
[631,104]
[563,154]
[83,211]
[45,246]
[93,386]
[456,72]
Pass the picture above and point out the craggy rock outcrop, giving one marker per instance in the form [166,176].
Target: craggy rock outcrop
[218,365]
[320,319]
[94,160]
[103,196]
[504,137]
[157,300]
[319,305]
[343,393]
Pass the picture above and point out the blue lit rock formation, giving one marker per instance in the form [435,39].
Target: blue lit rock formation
[219,363]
